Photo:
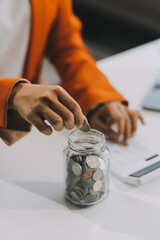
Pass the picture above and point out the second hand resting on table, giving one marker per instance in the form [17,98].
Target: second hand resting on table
[112,113]
[37,103]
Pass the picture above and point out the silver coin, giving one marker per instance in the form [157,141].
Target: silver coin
[92,192]
[97,186]
[78,158]
[70,164]
[92,161]
[78,188]
[80,192]
[86,127]
[77,169]
[87,182]
[75,196]
[97,174]
[84,188]
[91,198]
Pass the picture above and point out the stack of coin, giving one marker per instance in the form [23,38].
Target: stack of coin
[85,179]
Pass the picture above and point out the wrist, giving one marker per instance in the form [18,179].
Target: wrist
[15,89]
[93,110]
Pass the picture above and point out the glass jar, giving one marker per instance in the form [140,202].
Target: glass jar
[87,167]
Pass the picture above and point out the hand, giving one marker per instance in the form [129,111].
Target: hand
[112,113]
[37,103]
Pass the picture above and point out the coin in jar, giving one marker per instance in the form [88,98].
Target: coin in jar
[84,167]
[87,174]
[91,198]
[77,169]
[92,192]
[70,164]
[78,158]
[92,161]
[81,190]
[87,182]
[97,174]
[97,185]
[75,196]
[85,188]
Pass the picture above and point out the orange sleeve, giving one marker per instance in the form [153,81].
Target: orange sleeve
[12,125]
[79,74]
[6,85]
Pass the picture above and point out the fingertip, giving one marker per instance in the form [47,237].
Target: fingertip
[80,123]
[143,122]
[84,117]
[120,138]
[79,126]
[126,143]
[48,131]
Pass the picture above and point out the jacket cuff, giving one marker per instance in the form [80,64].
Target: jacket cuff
[11,136]
[12,125]
[6,85]
[92,110]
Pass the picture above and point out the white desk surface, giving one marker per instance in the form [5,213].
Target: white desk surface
[32,205]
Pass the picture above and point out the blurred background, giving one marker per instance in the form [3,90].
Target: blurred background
[112,26]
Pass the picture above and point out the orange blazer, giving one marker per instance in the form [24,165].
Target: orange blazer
[56,34]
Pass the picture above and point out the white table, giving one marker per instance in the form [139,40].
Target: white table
[32,205]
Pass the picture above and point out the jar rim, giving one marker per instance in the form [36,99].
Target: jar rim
[96,138]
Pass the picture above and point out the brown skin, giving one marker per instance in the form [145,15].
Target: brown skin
[36,103]
[116,113]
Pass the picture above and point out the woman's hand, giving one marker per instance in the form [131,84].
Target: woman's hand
[115,113]
[37,103]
